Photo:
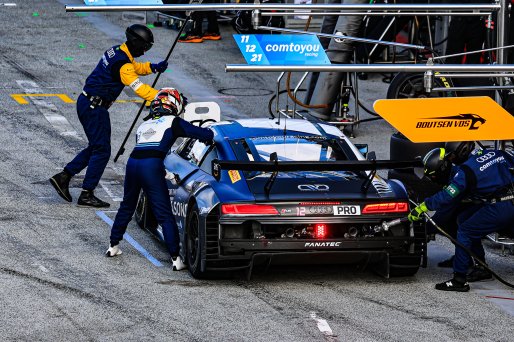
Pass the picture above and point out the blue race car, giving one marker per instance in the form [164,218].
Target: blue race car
[289,192]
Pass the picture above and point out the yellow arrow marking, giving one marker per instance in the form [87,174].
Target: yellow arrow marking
[20,98]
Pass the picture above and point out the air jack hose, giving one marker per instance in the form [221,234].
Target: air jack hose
[473,255]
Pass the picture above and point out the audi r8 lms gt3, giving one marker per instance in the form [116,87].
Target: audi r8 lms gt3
[285,192]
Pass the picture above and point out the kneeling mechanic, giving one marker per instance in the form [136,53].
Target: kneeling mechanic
[145,169]
[487,178]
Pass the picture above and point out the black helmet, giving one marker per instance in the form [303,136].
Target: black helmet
[139,39]
[437,167]
[458,152]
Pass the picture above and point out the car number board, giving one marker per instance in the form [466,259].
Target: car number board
[319,210]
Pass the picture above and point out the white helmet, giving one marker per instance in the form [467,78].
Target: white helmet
[168,101]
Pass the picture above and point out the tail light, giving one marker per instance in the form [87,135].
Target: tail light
[248,209]
[386,208]
[320,231]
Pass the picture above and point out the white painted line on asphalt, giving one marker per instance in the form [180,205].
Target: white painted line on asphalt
[49,110]
[110,193]
[7,4]
[131,240]
[322,325]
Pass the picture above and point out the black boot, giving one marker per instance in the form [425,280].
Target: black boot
[88,199]
[479,273]
[61,183]
[457,283]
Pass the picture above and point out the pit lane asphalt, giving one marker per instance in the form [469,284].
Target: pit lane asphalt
[55,283]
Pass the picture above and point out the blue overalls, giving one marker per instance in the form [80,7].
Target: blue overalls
[145,170]
[114,71]
[487,178]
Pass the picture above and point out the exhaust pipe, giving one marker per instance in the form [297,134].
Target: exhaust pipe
[289,232]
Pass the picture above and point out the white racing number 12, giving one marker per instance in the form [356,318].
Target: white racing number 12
[256,57]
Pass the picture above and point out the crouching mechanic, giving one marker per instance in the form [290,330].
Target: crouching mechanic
[115,70]
[145,169]
[487,177]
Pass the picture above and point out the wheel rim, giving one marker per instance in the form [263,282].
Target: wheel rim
[192,239]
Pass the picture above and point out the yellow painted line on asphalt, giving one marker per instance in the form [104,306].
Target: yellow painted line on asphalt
[21,98]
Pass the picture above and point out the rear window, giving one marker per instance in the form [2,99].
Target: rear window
[293,148]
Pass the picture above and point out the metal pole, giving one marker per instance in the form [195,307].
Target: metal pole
[373,14]
[122,147]
[501,21]
[278,92]
[341,36]
[393,68]
[475,51]
[296,91]
[459,8]
[488,75]
[473,88]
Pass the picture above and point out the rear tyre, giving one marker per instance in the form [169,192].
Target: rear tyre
[404,266]
[195,242]
[408,85]
[144,216]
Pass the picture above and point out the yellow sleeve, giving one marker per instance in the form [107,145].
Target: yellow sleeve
[129,77]
[142,69]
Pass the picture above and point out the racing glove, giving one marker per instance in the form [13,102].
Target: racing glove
[417,213]
[159,67]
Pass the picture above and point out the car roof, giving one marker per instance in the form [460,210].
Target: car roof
[246,128]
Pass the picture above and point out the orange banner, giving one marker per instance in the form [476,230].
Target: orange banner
[443,119]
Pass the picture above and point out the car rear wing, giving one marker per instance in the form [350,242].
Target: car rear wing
[288,166]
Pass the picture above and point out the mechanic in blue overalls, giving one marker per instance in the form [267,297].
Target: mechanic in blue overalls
[116,69]
[457,153]
[145,169]
[488,178]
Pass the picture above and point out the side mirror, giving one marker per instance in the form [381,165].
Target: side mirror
[363,149]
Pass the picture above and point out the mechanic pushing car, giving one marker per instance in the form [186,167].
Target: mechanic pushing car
[486,177]
[145,169]
[116,69]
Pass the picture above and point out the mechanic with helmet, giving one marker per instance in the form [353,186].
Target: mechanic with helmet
[145,169]
[115,70]
[457,153]
[487,177]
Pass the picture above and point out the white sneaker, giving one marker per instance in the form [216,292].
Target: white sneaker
[113,251]
[178,264]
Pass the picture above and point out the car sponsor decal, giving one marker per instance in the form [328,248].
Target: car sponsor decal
[322,244]
[447,118]
[313,187]
[179,209]
[346,210]
[234,175]
[452,190]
